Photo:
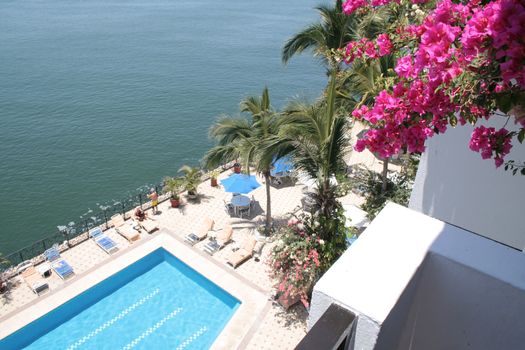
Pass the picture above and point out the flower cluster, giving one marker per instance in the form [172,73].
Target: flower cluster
[491,143]
[297,260]
[357,49]
[462,62]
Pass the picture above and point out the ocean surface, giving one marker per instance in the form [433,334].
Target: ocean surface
[101,98]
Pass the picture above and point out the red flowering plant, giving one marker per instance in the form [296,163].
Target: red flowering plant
[301,255]
[457,61]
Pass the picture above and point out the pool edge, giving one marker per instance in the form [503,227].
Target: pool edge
[251,297]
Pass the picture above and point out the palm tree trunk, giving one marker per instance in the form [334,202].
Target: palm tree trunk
[268,202]
[384,174]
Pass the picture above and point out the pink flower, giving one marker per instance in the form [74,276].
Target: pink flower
[379,2]
[370,50]
[358,113]
[351,5]
[384,44]
[442,60]
[292,222]
[491,143]
[405,68]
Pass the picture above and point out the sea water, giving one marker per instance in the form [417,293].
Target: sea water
[100,98]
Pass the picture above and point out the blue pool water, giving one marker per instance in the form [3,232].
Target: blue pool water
[156,303]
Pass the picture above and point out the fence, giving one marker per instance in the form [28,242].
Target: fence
[71,235]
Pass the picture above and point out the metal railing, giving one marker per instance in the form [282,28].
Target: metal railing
[76,233]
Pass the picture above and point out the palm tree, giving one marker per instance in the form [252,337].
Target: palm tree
[191,179]
[361,83]
[246,140]
[316,135]
[333,31]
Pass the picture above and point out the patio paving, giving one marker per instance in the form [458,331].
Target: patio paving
[276,329]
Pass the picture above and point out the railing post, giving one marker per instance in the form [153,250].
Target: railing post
[140,199]
[106,218]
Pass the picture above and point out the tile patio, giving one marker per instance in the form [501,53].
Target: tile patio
[277,329]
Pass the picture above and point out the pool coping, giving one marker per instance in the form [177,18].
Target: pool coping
[236,332]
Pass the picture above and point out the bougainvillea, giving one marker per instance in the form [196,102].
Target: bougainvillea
[301,256]
[457,62]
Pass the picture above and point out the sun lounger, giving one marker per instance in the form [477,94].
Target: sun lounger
[103,241]
[222,238]
[149,225]
[58,264]
[125,228]
[244,253]
[128,231]
[34,281]
[201,233]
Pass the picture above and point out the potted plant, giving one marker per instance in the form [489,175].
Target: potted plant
[190,180]
[173,185]
[3,277]
[237,168]
[213,177]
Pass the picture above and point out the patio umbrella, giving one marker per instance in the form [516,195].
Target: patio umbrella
[281,166]
[240,183]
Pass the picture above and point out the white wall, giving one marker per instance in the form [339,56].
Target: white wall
[455,185]
[457,307]
[415,282]
[371,275]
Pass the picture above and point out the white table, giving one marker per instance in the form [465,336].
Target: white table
[240,202]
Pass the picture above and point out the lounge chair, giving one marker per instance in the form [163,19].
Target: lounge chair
[34,281]
[103,241]
[125,228]
[222,238]
[149,225]
[58,264]
[201,233]
[244,253]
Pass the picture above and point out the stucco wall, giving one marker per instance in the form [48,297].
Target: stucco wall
[457,307]
[415,282]
[371,275]
[455,185]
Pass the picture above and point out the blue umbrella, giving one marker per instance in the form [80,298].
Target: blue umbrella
[282,166]
[240,183]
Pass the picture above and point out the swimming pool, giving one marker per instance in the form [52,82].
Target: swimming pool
[157,302]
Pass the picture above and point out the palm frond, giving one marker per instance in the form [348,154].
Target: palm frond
[311,37]
[219,155]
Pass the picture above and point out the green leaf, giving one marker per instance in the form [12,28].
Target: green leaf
[523,171]
[504,102]
[453,121]
[521,135]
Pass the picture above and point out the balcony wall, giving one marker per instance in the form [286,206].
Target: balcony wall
[455,185]
[417,283]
